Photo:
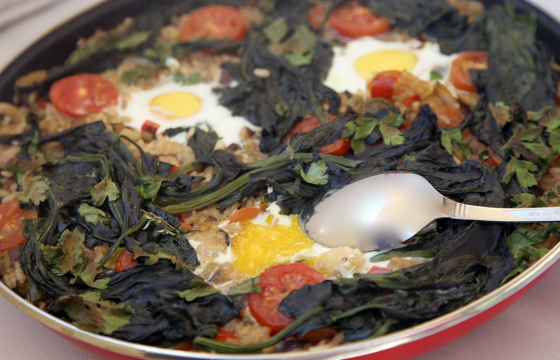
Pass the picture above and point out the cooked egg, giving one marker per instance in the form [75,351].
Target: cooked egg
[259,247]
[175,105]
[273,239]
[362,58]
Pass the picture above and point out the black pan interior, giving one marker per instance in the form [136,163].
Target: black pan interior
[55,47]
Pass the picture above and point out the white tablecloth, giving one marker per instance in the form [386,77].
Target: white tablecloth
[529,330]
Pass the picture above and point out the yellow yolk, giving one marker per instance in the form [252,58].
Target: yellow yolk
[176,105]
[259,247]
[384,60]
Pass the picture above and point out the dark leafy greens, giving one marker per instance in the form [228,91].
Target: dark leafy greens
[99,193]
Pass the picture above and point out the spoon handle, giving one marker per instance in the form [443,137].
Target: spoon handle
[457,210]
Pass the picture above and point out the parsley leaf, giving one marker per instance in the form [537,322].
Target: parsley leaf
[69,257]
[184,79]
[151,186]
[551,194]
[144,72]
[363,127]
[527,201]
[454,139]
[92,214]
[193,294]
[435,75]
[502,113]
[523,170]
[249,286]
[551,120]
[317,173]
[105,189]
[87,311]
[151,259]
[298,49]
[276,30]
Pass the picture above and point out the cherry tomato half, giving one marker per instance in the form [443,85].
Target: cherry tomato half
[307,124]
[339,148]
[125,261]
[216,22]
[460,75]
[11,224]
[276,283]
[354,20]
[82,94]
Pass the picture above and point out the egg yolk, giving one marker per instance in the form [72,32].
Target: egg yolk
[259,247]
[379,61]
[175,105]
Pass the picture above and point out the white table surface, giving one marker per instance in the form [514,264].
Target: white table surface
[528,330]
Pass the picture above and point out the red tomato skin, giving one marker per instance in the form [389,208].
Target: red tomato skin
[276,283]
[11,224]
[150,126]
[355,20]
[82,94]
[383,87]
[339,148]
[227,337]
[408,102]
[305,125]
[378,270]
[125,261]
[216,22]
[460,75]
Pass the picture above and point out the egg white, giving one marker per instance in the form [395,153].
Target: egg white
[227,126]
[342,76]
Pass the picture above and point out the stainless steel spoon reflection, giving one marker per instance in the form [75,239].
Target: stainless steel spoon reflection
[385,210]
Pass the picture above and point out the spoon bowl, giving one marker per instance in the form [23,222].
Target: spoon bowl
[385,210]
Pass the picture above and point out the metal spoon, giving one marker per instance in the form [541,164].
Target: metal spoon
[385,210]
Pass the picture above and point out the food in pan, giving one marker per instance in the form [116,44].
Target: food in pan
[152,184]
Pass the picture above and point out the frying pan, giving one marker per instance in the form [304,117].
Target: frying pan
[53,48]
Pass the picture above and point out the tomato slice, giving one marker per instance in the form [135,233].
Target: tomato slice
[82,94]
[276,283]
[216,22]
[11,224]
[339,148]
[460,76]
[125,261]
[354,20]
[449,116]
[378,270]
[186,226]
[149,125]
[245,214]
[307,124]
